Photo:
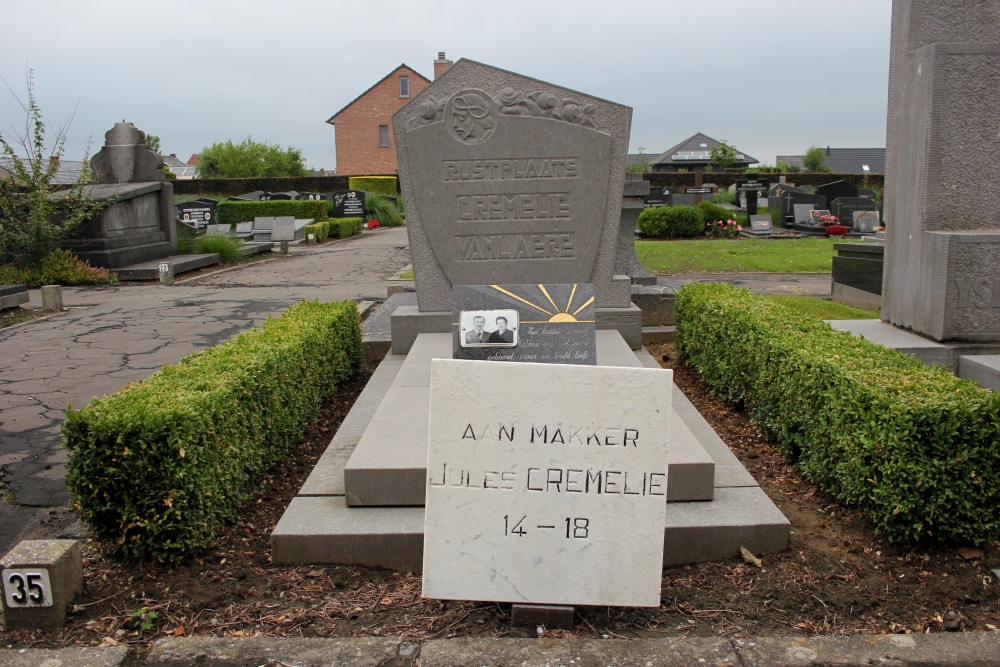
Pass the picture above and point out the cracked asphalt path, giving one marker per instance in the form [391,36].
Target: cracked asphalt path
[110,336]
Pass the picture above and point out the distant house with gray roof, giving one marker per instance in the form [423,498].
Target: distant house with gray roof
[845,160]
[182,170]
[694,154]
[67,171]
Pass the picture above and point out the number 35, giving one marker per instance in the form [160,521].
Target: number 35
[25,588]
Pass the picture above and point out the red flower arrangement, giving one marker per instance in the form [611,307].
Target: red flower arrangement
[836,230]
[372,224]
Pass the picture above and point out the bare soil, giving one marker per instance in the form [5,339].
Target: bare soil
[837,578]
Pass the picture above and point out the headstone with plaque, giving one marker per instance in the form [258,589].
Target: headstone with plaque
[844,208]
[745,185]
[866,222]
[545,484]
[550,323]
[312,196]
[837,189]
[197,213]
[760,223]
[349,204]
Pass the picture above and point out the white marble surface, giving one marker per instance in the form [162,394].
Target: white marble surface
[524,505]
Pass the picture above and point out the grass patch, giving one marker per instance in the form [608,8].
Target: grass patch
[824,309]
[808,255]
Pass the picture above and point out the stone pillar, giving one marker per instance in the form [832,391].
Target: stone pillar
[633,202]
[942,206]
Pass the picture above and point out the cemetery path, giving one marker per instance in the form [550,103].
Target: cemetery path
[110,336]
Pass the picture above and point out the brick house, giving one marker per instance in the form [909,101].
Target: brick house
[363,128]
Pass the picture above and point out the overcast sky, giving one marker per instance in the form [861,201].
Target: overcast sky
[771,77]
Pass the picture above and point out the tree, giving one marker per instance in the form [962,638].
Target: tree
[723,156]
[814,160]
[153,142]
[249,159]
[641,165]
[36,213]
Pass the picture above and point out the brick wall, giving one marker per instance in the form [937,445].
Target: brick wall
[357,126]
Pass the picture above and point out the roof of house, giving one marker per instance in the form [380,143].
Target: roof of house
[180,169]
[370,88]
[845,160]
[67,172]
[696,149]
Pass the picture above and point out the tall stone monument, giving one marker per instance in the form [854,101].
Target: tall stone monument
[140,225]
[942,201]
[526,187]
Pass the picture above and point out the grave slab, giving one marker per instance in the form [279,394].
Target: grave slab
[985,369]
[518,450]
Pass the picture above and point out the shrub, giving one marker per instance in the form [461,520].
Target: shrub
[383,210]
[158,467]
[915,448]
[724,196]
[671,222]
[347,227]
[320,231]
[230,212]
[62,267]
[382,185]
[713,212]
[230,249]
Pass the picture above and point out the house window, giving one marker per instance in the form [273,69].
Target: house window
[404,86]
[383,135]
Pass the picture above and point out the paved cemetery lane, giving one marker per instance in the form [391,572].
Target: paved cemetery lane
[111,336]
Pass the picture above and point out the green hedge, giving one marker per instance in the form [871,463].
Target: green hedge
[671,222]
[344,227]
[381,185]
[230,212]
[914,447]
[156,468]
[339,228]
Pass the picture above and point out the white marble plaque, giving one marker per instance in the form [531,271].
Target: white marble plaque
[546,483]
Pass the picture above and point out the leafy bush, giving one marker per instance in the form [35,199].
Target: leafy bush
[671,222]
[724,196]
[230,249]
[345,227]
[59,267]
[158,467]
[383,210]
[713,212]
[320,231]
[230,212]
[382,185]
[915,448]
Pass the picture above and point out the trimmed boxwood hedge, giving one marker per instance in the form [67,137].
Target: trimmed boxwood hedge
[230,212]
[671,222]
[158,467]
[914,447]
[339,228]
[382,185]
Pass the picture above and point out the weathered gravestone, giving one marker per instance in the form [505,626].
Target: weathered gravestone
[550,491]
[526,188]
[760,223]
[941,203]
[139,225]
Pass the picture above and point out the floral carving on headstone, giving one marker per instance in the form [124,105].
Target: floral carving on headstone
[546,105]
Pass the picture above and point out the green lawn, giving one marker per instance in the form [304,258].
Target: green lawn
[824,309]
[807,255]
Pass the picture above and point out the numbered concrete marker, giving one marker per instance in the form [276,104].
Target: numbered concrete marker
[546,483]
[40,578]
[27,588]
